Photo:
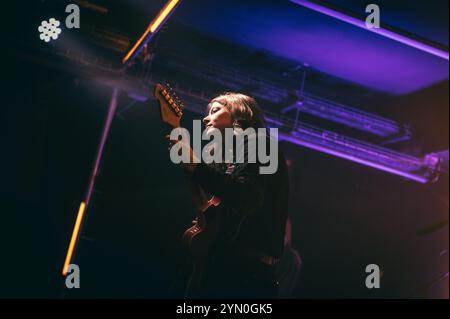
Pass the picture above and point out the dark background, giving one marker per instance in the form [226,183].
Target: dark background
[345,215]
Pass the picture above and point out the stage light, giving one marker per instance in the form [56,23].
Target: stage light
[162,15]
[380,31]
[151,29]
[74,238]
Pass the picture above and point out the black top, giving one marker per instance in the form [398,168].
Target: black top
[253,207]
[251,218]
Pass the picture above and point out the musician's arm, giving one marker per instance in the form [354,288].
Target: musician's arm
[243,189]
[200,199]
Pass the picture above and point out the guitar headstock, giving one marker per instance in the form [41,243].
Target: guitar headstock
[171,108]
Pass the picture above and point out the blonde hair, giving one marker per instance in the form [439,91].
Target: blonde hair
[243,109]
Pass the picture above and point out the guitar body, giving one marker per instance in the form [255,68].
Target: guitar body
[199,238]
[196,240]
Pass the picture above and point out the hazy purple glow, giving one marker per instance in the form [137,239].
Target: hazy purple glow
[109,118]
[295,33]
[383,32]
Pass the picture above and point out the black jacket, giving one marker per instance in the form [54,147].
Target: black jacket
[253,207]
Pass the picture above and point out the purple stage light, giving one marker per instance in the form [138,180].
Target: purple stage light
[381,31]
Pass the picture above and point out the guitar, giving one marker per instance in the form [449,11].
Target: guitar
[196,239]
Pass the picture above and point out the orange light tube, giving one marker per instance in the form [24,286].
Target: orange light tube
[154,25]
[73,240]
[162,15]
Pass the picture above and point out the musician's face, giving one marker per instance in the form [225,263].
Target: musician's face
[218,117]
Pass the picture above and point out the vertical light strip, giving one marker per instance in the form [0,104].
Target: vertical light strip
[74,238]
